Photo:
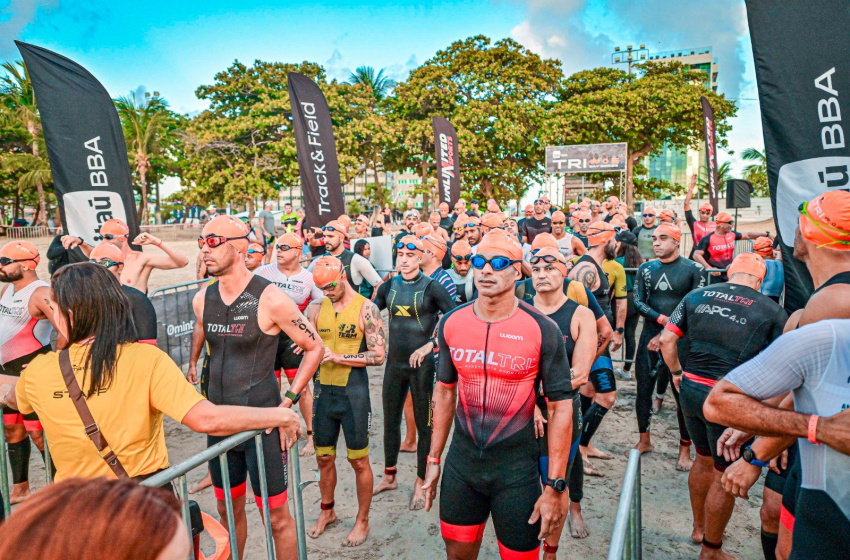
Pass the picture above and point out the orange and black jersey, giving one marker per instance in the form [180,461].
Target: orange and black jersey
[496,366]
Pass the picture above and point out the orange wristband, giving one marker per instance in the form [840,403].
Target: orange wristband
[433,460]
[813,429]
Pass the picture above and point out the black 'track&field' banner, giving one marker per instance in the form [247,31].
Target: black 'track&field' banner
[800,50]
[85,144]
[447,157]
[710,151]
[316,148]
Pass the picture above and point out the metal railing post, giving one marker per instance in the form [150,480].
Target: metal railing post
[264,493]
[228,505]
[295,485]
[48,471]
[638,514]
[183,494]
[625,537]
[4,470]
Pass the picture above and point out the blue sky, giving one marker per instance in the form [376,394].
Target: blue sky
[173,47]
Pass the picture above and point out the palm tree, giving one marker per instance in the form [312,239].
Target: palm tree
[756,173]
[380,84]
[17,94]
[143,121]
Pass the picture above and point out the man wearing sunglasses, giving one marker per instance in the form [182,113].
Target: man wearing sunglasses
[254,257]
[361,227]
[599,396]
[528,212]
[357,268]
[537,223]
[703,226]
[142,310]
[353,335]
[471,231]
[493,354]
[473,208]
[26,323]
[568,243]
[461,272]
[644,233]
[242,316]
[138,265]
[582,221]
[414,302]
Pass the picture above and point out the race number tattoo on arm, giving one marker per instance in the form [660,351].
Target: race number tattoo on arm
[299,322]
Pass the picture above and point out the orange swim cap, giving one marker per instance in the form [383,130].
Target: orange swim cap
[290,239]
[345,221]
[435,245]
[529,209]
[582,215]
[650,210]
[667,215]
[461,248]
[257,248]
[422,229]
[763,246]
[600,233]
[748,263]
[23,251]
[706,206]
[413,240]
[670,230]
[498,242]
[106,250]
[338,227]
[114,226]
[617,220]
[326,270]
[544,239]
[561,262]
[825,220]
[471,222]
[233,229]
[723,218]
[493,220]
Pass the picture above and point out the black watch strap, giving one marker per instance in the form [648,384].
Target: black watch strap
[620,330]
[292,396]
[559,485]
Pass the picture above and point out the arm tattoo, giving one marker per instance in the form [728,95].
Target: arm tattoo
[374,331]
[588,277]
[299,322]
[600,342]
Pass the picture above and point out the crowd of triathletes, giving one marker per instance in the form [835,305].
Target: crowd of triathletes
[501,328]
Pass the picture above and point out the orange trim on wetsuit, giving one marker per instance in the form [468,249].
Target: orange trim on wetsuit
[13,418]
[786,518]
[508,554]
[707,381]
[235,491]
[462,533]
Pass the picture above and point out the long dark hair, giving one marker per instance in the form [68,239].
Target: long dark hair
[633,257]
[101,312]
[360,246]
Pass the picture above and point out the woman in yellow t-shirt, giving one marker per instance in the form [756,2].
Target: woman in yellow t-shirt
[128,386]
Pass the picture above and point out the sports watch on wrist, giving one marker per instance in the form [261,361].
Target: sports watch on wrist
[559,485]
[620,330]
[292,396]
[749,456]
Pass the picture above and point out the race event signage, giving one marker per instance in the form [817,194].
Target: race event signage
[801,68]
[316,152]
[85,144]
[710,150]
[586,158]
[448,161]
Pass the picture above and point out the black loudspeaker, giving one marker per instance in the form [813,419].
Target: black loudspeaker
[738,193]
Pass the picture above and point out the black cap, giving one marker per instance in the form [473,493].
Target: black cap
[627,237]
[474,201]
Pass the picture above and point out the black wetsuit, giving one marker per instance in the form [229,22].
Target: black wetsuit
[726,325]
[563,317]
[241,360]
[144,315]
[413,307]
[532,226]
[526,292]
[659,287]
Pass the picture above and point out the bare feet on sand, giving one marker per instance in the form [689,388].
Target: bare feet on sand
[656,405]
[417,502]
[20,493]
[575,522]
[326,519]
[308,448]
[714,554]
[389,482]
[408,446]
[201,484]
[358,534]
[592,451]
[643,447]
[589,470]
[685,462]
[698,534]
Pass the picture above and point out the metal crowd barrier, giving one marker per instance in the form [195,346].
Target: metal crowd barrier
[626,538]
[178,472]
[29,232]
[5,486]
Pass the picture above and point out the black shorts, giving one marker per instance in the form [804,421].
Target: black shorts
[821,530]
[543,442]
[602,374]
[286,359]
[506,487]
[15,367]
[348,408]
[791,494]
[242,462]
[703,433]
[776,481]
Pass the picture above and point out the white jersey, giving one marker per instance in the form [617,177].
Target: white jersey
[21,333]
[300,286]
[813,362]
[565,244]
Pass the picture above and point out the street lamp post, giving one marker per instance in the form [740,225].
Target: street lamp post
[629,56]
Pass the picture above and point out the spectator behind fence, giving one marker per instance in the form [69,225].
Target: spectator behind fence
[81,519]
[127,386]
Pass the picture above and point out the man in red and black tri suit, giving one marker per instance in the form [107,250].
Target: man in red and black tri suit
[493,353]
[717,249]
